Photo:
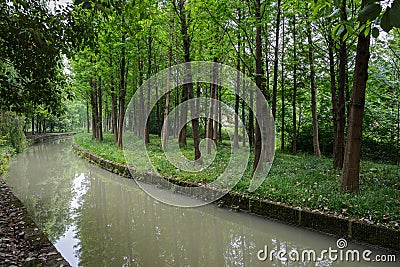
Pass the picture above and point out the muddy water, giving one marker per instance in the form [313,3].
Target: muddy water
[96,218]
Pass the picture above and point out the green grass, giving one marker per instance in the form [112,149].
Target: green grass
[302,180]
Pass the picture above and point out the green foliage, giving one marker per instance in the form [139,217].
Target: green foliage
[370,12]
[11,131]
[394,14]
[32,40]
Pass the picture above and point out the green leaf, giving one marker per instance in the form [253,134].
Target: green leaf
[386,25]
[367,30]
[337,30]
[375,32]
[370,12]
[394,14]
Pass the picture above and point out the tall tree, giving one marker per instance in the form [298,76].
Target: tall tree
[283,89]
[338,148]
[294,99]
[317,151]
[351,165]
[260,82]
[276,59]
[188,91]
[122,89]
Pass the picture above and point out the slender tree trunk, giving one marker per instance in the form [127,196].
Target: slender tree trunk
[114,111]
[176,116]
[332,73]
[244,105]
[105,117]
[338,150]
[93,97]
[260,82]
[100,112]
[251,120]
[188,87]
[122,93]
[165,134]
[215,114]
[236,115]
[276,60]
[183,117]
[317,151]
[398,127]
[294,101]
[351,165]
[149,47]
[238,83]
[33,125]
[220,114]
[158,113]
[212,108]
[114,108]
[87,117]
[166,111]
[283,90]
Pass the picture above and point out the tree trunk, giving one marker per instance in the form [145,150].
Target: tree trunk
[122,93]
[283,90]
[338,149]
[114,112]
[100,112]
[238,83]
[236,130]
[276,60]
[183,117]
[149,47]
[93,100]
[220,114]
[165,134]
[188,87]
[33,125]
[114,108]
[260,82]
[87,117]
[317,151]
[351,165]
[176,116]
[251,120]
[105,117]
[332,74]
[166,111]
[212,108]
[294,101]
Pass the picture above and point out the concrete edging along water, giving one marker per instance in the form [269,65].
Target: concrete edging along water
[343,227]
[46,137]
[22,241]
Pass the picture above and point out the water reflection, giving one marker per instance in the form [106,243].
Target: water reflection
[96,218]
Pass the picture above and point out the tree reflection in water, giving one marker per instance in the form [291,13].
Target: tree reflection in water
[97,218]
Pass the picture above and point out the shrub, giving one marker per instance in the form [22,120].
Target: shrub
[11,131]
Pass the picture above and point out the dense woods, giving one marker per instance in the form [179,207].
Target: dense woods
[330,70]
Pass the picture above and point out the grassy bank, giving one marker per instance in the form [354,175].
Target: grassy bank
[301,181]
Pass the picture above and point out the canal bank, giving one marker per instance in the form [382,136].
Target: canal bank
[352,229]
[22,243]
